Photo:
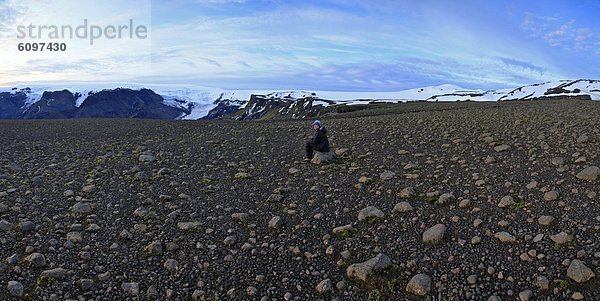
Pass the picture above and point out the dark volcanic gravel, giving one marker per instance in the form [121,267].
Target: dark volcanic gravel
[178,210]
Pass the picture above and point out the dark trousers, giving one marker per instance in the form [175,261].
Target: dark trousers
[310,147]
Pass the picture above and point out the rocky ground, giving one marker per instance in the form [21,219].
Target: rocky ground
[468,201]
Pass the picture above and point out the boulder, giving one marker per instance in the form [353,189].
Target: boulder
[321,157]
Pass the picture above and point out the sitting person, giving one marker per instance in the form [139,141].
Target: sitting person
[319,142]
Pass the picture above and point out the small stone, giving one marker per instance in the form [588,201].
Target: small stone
[445,198]
[434,234]
[152,293]
[89,188]
[293,171]
[74,237]
[590,173]
[170,265]
[551,195]
[403,207]
[542,282]
[545,220]
[464,203]
[26,226]
[57,273]
[154,247]
[82,208]
[387,175]
[131,288]
[5,225]
[15,288]
[506,202]
[505,237]
[561,238]
[419,285]
[147,158]
[363,270]
[501,148]
[37,260]
[577,296]
[343,229]
[276,222]
[525,295]
[188,226]
[407,192]
[240,216]
[370,213]
[579,272]
[86,284]
[230,240]
[472,279]
[583,138]
[242,176]
[324,286]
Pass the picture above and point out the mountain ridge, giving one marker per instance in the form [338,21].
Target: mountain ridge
[171,102]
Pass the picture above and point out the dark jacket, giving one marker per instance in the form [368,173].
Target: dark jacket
[320,142]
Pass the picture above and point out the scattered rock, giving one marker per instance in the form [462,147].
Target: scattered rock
[276,222]
[403,207]
[242,176]
[407,192]
[434,234]
[15,288]
[188,226]
[501,148]
[131,288]
[170,265]
[147,158]
[82,208]
[57,273]
[545,220]
[590,173]
[561,238]
[505,237]
[525,295]
[579,272]
[325,286]
[506,202]
[419,285]
[387,175]
[5,225]
[37,260]
[343,229]
[362,271]
[369,213]
[551,196]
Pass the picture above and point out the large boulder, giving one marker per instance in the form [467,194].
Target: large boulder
[321,157]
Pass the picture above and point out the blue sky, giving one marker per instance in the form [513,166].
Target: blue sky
[352,45]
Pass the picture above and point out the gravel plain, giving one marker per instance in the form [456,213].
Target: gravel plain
[453,201]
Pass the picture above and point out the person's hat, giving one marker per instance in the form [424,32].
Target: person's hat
[317,122]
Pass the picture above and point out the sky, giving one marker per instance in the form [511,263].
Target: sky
[332,45]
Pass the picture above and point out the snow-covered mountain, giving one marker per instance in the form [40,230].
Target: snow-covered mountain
[195,102]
